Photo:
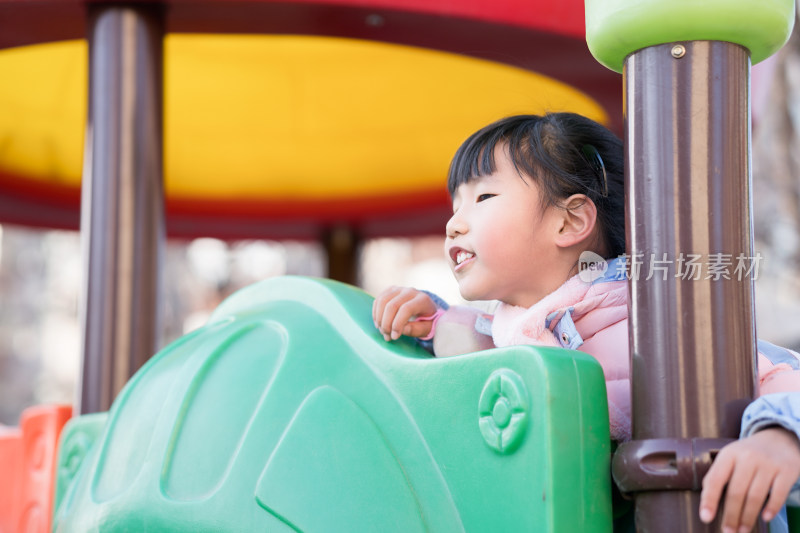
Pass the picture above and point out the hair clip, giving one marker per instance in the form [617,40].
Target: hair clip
[596,162]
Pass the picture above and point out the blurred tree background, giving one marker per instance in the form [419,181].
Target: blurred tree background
[776,193]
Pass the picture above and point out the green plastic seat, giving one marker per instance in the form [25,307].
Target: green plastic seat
[289,412]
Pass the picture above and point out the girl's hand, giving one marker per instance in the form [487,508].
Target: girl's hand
[396,306]
[762,467]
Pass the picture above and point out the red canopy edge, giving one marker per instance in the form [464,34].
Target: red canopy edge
[33,21]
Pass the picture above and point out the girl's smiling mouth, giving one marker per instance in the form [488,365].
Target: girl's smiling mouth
[460,257]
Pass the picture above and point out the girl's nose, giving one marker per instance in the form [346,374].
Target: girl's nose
[455,226]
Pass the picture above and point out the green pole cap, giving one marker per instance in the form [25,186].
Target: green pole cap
[617,28]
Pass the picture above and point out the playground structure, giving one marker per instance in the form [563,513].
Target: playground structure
[692,78]
[340,431]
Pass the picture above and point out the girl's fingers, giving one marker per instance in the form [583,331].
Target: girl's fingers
[401,318]
[738,487]
[713,484]
[778,493]
[379,305]
[389,312]
[395,306]
[756,495]
[419,305]
[763,466]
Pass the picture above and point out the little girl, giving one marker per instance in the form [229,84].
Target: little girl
[530,195]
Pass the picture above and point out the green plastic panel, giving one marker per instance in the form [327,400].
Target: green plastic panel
[74,446]
[289,412]
[617,28]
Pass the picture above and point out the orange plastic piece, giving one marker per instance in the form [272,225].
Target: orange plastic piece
[27,468]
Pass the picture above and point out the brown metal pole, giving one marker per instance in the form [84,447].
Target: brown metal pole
[692,335]
[122,217]
[342,247]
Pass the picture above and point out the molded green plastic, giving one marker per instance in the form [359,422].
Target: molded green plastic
[617,28]
[77,439]
[289,412]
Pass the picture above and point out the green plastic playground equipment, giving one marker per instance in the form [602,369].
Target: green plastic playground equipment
[289,412]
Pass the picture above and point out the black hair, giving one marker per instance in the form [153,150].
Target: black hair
[559,152]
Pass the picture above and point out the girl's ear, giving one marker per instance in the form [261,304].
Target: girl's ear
[578,220]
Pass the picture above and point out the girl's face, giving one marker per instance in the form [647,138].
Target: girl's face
[500,240]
